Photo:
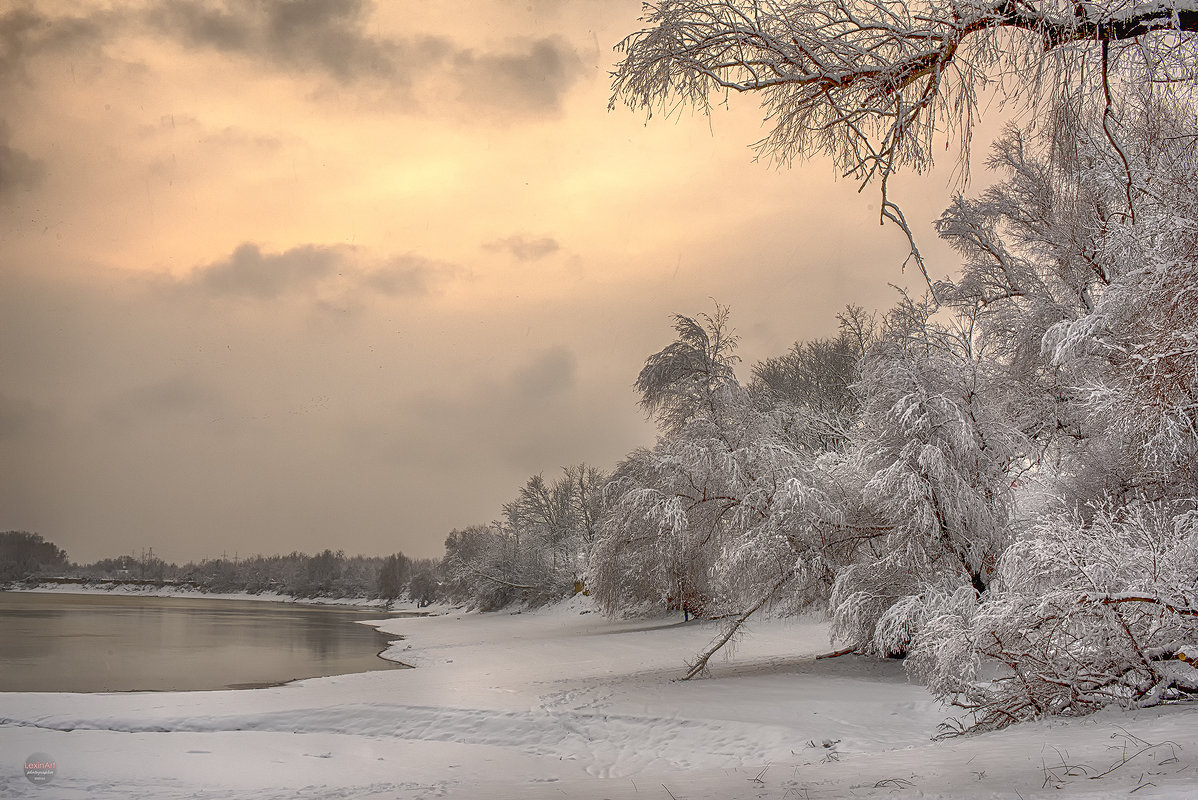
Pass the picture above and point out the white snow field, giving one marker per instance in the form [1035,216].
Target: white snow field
[563,702]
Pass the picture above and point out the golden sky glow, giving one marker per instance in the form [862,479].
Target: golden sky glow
[283,275]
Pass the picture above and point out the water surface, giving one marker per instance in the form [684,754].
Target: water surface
[104,643]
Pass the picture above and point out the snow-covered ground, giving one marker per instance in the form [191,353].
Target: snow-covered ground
[562,702]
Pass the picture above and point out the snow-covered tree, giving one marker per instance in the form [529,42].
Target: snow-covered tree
[669,505]
[734,509]
[1087,301]
[537,552]
[585,491]
[483,568]
[24,554]
[1085,613]
[811,385]
[1094,601]
[936,454]
[542,516]
[393,576]
[969,492]
[693,379]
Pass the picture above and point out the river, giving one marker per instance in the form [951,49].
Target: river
[52,642]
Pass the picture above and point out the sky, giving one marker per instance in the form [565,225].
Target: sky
[287,275]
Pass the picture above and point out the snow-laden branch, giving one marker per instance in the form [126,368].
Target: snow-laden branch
[872,82]
[852,77]
[731,629]
[1087,614]
[1116,599]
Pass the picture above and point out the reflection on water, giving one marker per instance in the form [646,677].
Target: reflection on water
[97,643]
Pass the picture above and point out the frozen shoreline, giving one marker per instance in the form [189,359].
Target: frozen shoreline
[561,702]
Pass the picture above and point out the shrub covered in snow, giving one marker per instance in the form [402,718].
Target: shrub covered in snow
[1081,615]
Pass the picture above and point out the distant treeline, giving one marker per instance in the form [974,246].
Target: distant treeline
[27,557]
[26,554]
[538,551]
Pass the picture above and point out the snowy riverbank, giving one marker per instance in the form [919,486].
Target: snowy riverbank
[562,702]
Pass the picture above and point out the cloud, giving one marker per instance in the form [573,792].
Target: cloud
[18,170]
[231,136]
[337,274]
[26,33]
[503,419]
[171,395]
[326,36]
[525,249]
[409,275]
[531,79]
[334,39]
[250,272]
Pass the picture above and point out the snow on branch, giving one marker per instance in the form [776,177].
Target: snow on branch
[1084,615]
[733,628]
[871,82]
[837,73]
[1116,599]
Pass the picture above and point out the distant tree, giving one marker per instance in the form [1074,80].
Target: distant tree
[24,555]
[151,567]
[482,567]
[553,523]
[324,569]
[108,568]
[216,575]
[813,383]
[359,576]
[393,576]
[543,515]
[586,497]
[424,589]
[538,551]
